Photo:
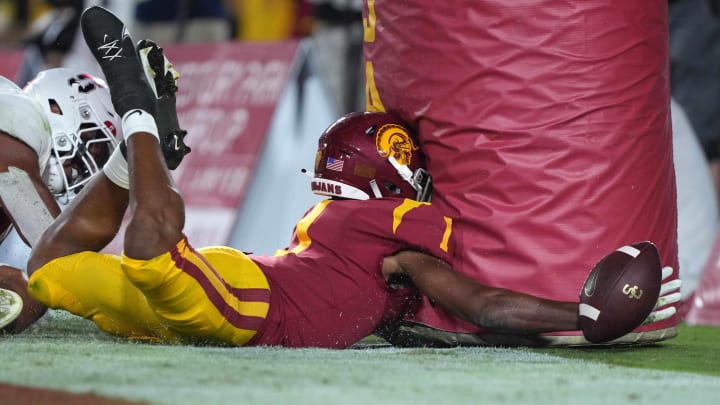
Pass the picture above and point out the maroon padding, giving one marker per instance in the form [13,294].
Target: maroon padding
[545,125]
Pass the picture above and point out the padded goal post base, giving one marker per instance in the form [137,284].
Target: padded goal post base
[547,131]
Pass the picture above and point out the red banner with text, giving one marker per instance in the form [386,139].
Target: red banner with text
[227,96]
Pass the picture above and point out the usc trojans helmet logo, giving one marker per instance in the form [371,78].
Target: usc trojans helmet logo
[394,140]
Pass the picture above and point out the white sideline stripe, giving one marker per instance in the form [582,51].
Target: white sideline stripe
[629,250]
[589,311]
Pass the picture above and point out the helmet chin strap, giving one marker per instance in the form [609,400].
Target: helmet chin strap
[420,181]
[375,189]
[402,170]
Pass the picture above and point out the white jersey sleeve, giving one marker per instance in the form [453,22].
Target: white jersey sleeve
[23,118]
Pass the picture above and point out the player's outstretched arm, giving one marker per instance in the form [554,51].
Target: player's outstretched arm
[626,289]
[495,309]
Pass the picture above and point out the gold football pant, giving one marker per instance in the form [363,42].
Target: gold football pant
[214,295]
[93,286]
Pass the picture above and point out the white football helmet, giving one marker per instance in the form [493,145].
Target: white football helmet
[85,127]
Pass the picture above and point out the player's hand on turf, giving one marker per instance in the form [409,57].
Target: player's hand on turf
[669,294]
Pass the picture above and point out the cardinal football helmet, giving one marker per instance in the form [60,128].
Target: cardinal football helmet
[85,127]
[370,155]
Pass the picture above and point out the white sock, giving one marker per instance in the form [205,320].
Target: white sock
[116,169]
[137,120]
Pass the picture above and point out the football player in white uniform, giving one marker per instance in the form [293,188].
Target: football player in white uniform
[24,152]
[54,135]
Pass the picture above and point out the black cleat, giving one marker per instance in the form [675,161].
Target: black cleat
[159,72]
[133,80]
[162,77]
[111,45]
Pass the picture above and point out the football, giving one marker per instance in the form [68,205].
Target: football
[620,292]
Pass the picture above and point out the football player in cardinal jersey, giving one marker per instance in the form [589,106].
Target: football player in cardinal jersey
[344,276]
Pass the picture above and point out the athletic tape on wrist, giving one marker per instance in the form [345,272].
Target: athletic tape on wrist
[116,169]
[137,120]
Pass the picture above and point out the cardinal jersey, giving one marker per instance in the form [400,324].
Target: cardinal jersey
[327,288]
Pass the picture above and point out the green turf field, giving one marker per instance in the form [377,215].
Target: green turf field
[68,353]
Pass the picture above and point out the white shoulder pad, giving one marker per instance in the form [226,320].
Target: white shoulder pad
[22,118]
